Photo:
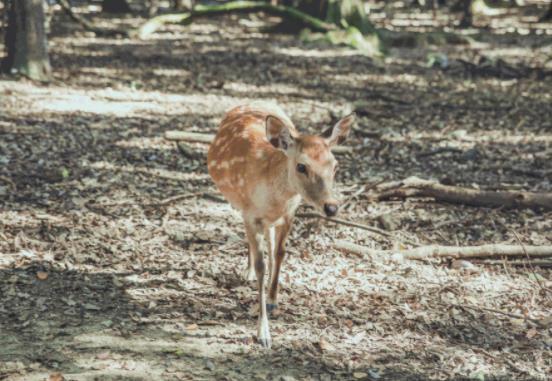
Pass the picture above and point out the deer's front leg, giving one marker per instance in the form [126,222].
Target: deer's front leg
[255,236]
[282,232]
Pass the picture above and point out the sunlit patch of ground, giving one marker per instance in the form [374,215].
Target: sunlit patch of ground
[101,279]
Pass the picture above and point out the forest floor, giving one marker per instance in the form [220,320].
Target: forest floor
[99,281]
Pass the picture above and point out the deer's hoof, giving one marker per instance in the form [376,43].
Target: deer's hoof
[271,307]
[266,342]
[263,334]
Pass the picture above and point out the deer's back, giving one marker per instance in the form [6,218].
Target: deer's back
[240,159]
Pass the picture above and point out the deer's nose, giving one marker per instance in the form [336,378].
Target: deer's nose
[330,209]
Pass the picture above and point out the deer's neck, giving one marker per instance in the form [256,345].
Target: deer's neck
[281,188]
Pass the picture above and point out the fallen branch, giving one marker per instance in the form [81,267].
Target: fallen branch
[436,251]
[193,137]
[235,7]
[416,187]
[539,263]
[196,137]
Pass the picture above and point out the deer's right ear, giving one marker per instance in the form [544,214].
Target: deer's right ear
[278,133]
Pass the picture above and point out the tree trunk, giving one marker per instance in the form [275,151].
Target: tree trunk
[356,29]
[115,6]
[349,13]
[548,15]
[25,40]
[467,15]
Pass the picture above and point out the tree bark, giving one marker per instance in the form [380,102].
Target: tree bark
[457,252]
[415,187]
[25,40]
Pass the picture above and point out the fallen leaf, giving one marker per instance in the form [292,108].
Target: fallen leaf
[459,264]
[325,345]
[191,327]
[531,333]
[56,377]
[103,356]
[359,375]
[42,275]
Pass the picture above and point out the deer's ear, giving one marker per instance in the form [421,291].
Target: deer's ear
[340,131]
[278,133]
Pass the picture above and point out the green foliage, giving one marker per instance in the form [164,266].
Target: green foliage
[349,13]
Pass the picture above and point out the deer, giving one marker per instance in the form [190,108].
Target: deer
[264,168]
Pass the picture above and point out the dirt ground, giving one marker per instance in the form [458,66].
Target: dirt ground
[101,281]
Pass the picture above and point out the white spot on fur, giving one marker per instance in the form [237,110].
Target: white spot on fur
[237,160]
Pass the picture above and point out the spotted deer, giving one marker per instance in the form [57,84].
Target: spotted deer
[264,167]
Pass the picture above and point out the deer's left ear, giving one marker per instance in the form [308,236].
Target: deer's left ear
[279,134]
[339,132]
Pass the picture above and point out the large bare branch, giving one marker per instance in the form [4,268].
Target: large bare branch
[465,252]
[416,187]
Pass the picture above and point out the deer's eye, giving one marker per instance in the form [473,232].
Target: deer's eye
[302,168]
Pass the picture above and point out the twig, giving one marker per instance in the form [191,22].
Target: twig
[363,189]
[499,312]
[8,181]
[172,199]
[502,262]
[438,151]
[368,134]
[352,224]
[169,200]
[530,266]
[213,197]
[344,222]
